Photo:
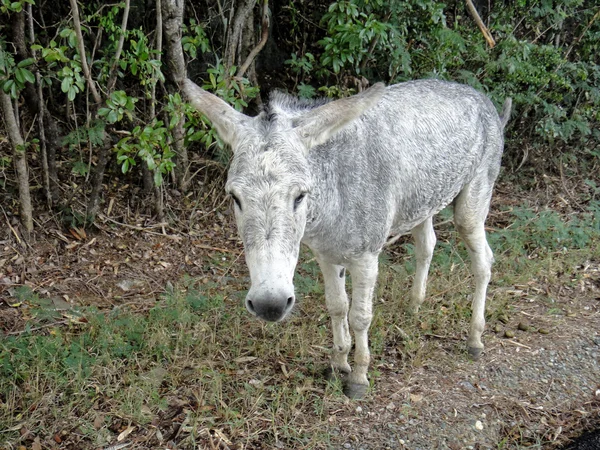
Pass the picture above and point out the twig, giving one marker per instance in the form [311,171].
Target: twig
[10,226]
[518,344]
[484,30]
[81,51]
[113,70]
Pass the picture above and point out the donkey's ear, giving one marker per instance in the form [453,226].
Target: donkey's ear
[318,125]
[227,121]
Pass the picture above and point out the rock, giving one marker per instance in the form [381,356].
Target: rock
[523,326]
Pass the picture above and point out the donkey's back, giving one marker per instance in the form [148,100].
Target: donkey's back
[401,162]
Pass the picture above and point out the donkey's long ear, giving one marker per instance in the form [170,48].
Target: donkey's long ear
[318,125]
[226,120]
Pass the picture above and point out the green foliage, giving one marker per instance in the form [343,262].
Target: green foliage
[233,90]
[351,28]
[139,59]
[151,145]
[117,106]
[14,76]
[301,65]
[545,58]
[10,6]
[533,233]
[194,38]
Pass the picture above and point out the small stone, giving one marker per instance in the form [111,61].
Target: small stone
[390,406]
[358,410]
[543,331]
[466,385]
[347,445]
[523,326]
[509,334]
[479,425]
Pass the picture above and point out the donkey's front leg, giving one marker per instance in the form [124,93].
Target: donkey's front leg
[337,305]
[364,277]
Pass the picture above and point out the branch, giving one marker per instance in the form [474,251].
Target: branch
[113,70]
[81,51]
[484,30]
[263,40]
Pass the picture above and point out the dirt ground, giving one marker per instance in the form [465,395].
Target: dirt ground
[533,387]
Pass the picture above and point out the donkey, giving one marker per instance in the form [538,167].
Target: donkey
[341,177]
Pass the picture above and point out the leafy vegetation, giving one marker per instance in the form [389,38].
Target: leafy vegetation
[545,58]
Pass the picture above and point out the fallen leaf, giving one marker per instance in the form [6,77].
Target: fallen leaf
[416,398]
[98,421]
[244,359]
[125,433]
[37,445]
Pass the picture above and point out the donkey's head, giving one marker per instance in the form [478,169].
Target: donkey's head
[270,183]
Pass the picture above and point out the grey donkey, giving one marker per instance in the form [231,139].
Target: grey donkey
[341,177]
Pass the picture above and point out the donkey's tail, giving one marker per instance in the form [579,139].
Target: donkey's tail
[505,115]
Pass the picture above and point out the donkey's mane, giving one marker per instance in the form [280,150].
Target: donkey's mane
[282,103]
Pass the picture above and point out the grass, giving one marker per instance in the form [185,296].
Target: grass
[196,365]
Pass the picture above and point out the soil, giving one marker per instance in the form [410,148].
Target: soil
[539,389]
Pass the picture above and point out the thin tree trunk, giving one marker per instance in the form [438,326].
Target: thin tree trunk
[172,16]
[484,30]
[82,53]
[113,70]
[234,37]
[20,161]
[249,62]
[149,184]
[97,178]
[40,119]
[104,151]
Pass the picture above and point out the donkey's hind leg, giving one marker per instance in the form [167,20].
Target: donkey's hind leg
[424,238]
[470,211]
[336,300]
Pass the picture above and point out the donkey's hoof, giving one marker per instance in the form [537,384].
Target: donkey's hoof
[475,352]
[355,391]
[331,374]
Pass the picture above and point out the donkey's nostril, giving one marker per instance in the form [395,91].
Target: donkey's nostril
[250,306]
[290,302]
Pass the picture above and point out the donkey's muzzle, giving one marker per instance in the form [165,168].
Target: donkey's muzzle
[271,309]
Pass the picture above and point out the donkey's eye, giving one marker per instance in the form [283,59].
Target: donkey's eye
[236,200]
[298,200]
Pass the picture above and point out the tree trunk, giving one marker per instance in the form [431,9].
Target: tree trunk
[157,190]
[234,35]
[20,160]
[172,17]
[97,178]
[35,104]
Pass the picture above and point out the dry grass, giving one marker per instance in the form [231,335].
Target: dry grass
[191,369]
